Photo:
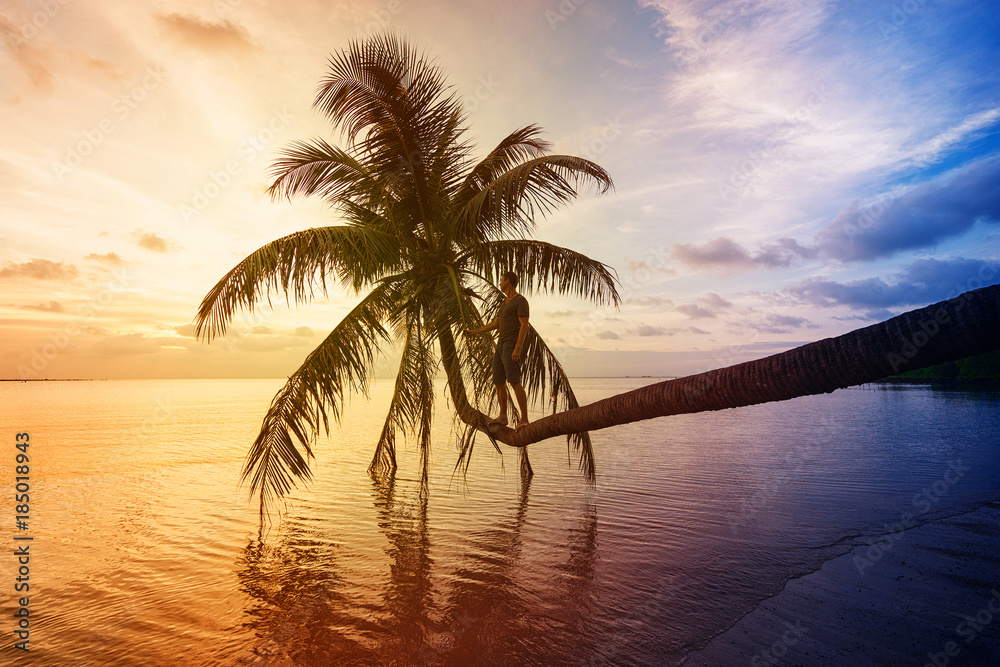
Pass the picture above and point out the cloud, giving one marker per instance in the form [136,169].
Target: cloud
[12,181]
[39,269]
[269,343]
[642,270]
[723,252]
[930,151]
[150,241]
[205,35]
[867,316]
[50,307]
[710,304]
[704,33]
[126,344]
[47,61]
[921,218]
[790,321]
[778,324]
[648,330]
[695,312]
[720,251]
[36,63]
[257,339]
[649,301]
[111,259]
[713,300]
[922,282]
[782,252]
[744,71]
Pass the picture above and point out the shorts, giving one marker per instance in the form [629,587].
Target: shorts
[505,369]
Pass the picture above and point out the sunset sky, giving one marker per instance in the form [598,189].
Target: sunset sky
[785,170]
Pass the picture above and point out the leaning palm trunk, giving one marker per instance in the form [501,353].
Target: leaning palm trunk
[966,325]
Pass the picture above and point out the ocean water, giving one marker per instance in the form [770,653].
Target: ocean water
[146,552]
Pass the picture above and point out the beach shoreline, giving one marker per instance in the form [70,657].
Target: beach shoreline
[927,595]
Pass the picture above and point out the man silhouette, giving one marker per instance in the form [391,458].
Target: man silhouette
[512,323]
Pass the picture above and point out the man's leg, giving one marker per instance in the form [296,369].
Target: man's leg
[522,403]
[512,371]
[500,382]
[502,400]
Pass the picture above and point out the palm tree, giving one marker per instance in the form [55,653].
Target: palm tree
[426,233]
[966,325]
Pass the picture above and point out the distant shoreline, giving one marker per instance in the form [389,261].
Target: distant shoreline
[48,380]
[949,382]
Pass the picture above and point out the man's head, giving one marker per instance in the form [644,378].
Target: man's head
[511,279]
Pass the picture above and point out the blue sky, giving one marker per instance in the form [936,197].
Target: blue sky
[784,171]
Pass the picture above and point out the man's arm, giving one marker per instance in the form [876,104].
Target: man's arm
[486,327]
[521,334]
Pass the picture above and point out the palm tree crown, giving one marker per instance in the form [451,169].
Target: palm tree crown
[426,233]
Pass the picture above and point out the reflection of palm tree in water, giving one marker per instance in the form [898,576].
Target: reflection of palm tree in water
[407,598]
[308,611]
[300,595]
[495,617]
[580,569]
[484,601]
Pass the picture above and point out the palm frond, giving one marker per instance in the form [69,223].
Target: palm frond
[507,206]
[293,264]
[412,401]
[391,104]
[318,168]
[545,379]
[426,368]
[385,88]
[359,215]
[545,267]
[444,167]
[313,394]
[517,147]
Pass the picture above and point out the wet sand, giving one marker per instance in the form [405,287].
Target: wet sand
[930,597]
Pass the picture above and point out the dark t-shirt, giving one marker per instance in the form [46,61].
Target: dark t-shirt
[510,325]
